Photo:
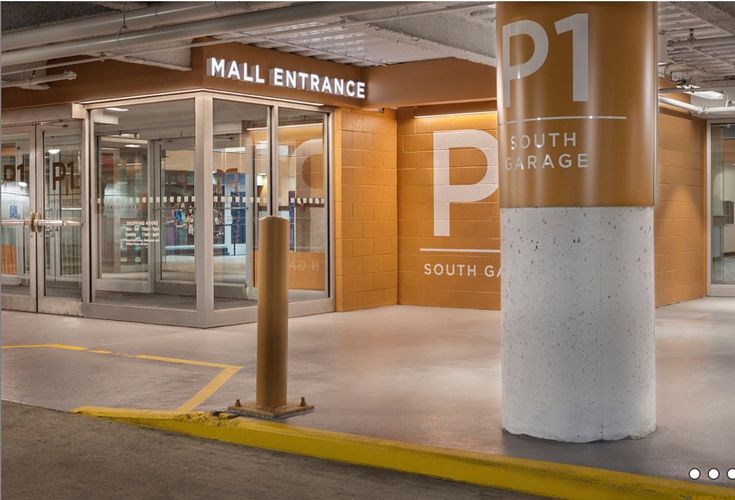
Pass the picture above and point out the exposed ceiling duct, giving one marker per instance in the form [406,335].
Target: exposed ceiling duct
[702,111]
[160,15]
[38,83]
[301,12]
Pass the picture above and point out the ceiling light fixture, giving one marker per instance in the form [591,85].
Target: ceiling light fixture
[132,145]
[119,110]
[54,151]
[707,94]
[441,115]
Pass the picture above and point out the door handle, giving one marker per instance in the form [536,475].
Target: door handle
[14,222]
[40,223]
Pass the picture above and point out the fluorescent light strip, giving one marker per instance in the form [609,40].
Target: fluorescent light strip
[440,115]
[459,250]
[287,126]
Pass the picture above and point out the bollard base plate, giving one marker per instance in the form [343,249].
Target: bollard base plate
[249,409]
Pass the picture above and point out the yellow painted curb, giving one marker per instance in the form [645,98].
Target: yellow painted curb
[497,471]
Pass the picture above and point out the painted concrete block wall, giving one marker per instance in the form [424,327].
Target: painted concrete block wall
[366,229]
[680,215]
[379,181]
[468,276]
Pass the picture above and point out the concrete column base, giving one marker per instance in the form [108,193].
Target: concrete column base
[578,322]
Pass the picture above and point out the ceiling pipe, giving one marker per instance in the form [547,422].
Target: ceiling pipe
[300,12]
[693,108]
[66,75]
[134,20]
[701,42]
[680,90]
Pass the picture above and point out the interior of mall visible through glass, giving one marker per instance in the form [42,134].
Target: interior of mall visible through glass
[146,204]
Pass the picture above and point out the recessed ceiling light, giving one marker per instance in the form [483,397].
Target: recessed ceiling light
[54,151]
[119,110]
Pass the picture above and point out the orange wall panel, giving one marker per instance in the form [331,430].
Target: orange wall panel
[366,234]
[680,214]
[428,275]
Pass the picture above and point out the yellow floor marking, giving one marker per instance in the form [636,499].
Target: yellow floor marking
[226,371]
[209,389]
[182,361]
[497,471]
[50,346]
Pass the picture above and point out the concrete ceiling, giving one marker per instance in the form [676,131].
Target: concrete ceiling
[388,34]
[697,46]
[394,33]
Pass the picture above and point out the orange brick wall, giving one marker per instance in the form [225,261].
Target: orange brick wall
[384,212]
[452,279]
[366,234]
[680,215]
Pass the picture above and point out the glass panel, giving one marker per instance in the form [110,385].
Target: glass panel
[146,205]
[62,201]
[302,198]
[16,189]
[239,185]
[723,195]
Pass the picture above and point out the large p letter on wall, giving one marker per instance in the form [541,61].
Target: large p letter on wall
[577,139]
[444,191]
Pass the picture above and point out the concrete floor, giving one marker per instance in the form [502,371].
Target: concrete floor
[52,455]
[425,375]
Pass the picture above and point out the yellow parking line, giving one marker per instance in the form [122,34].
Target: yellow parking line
[209,389]
[50,346]
[225,373]
[182,361]
[498,471]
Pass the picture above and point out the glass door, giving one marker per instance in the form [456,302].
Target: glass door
[145,218]
[17,211]
[722,220]
[42,218]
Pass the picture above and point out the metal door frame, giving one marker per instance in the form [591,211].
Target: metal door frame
[28,302]
[36,301]
[59,305]
[713,289]
[205,315]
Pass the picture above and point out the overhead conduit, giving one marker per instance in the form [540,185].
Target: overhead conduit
[251,20]
[134,20]
[693,108]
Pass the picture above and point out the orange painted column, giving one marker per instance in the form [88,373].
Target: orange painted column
[577,143]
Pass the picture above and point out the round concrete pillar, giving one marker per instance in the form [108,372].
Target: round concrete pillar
[577,103]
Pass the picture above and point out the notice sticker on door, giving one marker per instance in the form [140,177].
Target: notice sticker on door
[13,211]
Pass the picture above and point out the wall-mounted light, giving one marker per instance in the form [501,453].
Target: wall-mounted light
[464,113]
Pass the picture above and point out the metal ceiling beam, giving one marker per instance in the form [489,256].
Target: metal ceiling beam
[130,20]
[719,14]
[259,19]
